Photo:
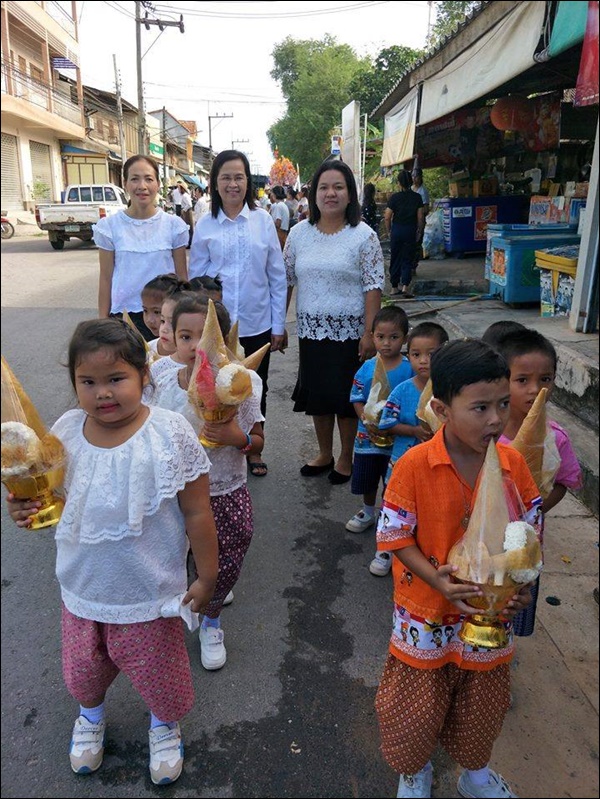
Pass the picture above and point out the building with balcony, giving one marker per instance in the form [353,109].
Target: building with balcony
[39,108]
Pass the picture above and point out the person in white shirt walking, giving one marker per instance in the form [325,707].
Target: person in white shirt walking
[238,243]
[280,213]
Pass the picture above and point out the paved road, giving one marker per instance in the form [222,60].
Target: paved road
[291,714]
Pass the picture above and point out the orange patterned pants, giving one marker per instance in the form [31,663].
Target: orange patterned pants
[461,709]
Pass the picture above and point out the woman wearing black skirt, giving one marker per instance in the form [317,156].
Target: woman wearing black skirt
[335,262]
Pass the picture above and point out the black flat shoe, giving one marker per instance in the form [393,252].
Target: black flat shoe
[312,471]
[337,478]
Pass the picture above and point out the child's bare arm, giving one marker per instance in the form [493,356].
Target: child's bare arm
[554,497]
[439,579]
[194,501]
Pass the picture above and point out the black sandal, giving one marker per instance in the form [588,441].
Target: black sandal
[258,468]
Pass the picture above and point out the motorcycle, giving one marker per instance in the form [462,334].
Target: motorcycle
[8,230]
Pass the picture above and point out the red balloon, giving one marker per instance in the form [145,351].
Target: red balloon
[511,113]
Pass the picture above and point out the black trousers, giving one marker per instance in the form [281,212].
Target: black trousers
[250,344]
[403,242]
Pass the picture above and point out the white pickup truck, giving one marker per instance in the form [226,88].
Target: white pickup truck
[83,206]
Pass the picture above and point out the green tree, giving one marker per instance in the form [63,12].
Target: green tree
[315,78]
[448,16]
[378,76]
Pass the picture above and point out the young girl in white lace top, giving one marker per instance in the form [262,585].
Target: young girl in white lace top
[136,483]
[229,495]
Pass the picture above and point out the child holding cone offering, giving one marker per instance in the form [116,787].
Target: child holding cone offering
[544,444]
[136,499]
[434,687]
[199,326]
[386,370]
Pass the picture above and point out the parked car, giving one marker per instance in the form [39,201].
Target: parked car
[83,206]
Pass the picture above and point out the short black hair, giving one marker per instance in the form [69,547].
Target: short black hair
[353,209]
[393,314]
[221,159]
[462,363]
[111,333]
[428,330]
[497,330]
[524,342]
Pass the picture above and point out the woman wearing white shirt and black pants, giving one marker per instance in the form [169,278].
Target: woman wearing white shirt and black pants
[238,243]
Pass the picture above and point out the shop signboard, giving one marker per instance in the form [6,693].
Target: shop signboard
[484,215]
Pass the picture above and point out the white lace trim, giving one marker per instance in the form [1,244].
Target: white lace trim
[332,274]
[111,491]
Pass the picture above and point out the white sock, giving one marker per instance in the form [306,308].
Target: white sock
[93,714]
[369,510]
[156,722]
[479,777]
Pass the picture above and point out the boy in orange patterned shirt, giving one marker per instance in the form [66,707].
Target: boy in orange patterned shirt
[434,687]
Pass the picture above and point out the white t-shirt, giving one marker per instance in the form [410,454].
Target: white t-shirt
[143,249]
[279,210]
[121,542]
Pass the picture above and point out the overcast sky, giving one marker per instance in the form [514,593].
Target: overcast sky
[221,64]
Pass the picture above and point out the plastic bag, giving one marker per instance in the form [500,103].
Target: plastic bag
[433,236]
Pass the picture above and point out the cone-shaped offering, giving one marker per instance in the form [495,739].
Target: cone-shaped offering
[498,552]
[219,383]
[233,343]
[380,391]
[32,458]
[425,414]
[536,443]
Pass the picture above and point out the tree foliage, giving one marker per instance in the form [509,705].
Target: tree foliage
[378,76]
[315,78]
[448,16]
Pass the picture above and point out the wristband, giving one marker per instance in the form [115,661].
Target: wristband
[247,446]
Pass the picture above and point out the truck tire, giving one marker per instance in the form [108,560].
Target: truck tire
[57,244]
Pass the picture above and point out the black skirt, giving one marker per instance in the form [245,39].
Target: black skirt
[325,376]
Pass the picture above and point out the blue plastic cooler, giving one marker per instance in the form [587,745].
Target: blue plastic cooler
[496,230]
[512,273]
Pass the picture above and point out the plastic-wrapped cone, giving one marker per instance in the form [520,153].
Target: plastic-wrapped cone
[16,405]
[535,441]
[233,342]
[254,361]
[380,391]
[424,413]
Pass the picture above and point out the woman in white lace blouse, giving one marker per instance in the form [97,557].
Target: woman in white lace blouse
[335,262]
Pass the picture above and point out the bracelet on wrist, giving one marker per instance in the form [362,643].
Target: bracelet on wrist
[248,445]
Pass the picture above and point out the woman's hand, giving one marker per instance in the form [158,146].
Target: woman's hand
[366,347]
[21,510]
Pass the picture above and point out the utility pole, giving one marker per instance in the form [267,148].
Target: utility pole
[120,116]
[238,141]
[210,119]
[164,143]
[162,24]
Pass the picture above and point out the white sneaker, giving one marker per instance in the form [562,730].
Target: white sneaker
[381,564]
[360,522]
[166,754]
[87,746]
[416,785]
[228,599]
[212,649]
[495,788]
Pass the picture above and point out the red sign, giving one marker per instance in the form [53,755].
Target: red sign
[586,91]
[484,215]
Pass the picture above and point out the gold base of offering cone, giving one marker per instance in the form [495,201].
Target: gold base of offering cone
[382,440]
[216,416]
[39,488]
[485,629]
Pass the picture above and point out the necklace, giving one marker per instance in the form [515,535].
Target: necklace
[467,506]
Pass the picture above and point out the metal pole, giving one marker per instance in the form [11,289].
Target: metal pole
[164,158]
[364,157]
[120,116]
[140,85]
